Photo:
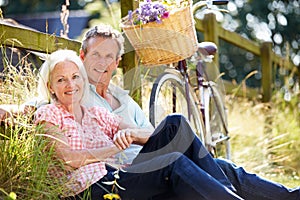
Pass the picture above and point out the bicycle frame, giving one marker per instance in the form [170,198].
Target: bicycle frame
[205,93]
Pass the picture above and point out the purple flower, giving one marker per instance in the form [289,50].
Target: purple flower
[130,14]
[149,11]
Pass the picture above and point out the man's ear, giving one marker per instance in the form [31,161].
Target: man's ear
[81,55]
[118,61]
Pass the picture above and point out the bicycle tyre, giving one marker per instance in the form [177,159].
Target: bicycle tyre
[218,122]
[162,101]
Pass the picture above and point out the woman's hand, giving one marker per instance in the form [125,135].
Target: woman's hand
[125,137]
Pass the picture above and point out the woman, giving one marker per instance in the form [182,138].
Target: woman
[86,140]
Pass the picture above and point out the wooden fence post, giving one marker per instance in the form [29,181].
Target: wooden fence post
[129,63]
[267,76]
[211,34]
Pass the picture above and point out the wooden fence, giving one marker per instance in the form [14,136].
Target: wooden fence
[212,31]
[24,38]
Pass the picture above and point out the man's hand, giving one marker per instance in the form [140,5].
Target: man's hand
[123,139]
[4,114]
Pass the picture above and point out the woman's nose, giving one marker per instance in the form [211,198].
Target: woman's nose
[70,83]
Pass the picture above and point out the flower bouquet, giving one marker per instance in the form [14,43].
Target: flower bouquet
[161,32]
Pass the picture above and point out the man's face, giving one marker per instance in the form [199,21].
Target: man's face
[101,60]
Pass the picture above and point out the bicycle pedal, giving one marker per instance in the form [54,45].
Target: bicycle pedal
[224,138]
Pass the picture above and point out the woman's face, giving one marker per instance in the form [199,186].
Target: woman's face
[67,83]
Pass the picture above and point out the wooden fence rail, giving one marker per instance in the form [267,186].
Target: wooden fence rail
[25,38]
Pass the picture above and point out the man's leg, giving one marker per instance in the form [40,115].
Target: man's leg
[174,134]
[182,178]
[253,187]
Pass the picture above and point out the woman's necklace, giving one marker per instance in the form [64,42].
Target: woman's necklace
[78,116]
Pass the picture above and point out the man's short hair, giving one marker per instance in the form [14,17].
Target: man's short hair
[104,31]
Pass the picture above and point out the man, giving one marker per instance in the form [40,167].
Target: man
[101,52]
[101,56]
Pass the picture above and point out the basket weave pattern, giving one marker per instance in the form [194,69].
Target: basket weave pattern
[162,43]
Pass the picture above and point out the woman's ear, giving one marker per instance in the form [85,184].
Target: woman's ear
[50,89]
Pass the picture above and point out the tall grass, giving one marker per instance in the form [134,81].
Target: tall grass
[265,136]
[25,155]
[25,158]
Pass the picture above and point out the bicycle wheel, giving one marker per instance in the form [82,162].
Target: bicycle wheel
[168,96]
[218,122]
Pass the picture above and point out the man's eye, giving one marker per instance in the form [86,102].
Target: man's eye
[110,56]
[95,54]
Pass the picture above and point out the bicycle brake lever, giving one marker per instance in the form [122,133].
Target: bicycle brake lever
[207,48]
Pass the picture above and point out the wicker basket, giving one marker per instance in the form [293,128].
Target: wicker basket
[162,43]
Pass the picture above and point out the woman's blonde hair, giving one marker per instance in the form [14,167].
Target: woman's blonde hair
[51,61]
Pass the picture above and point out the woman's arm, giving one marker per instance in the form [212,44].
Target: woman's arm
[76,158]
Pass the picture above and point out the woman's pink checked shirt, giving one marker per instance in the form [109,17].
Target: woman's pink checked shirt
[96,131]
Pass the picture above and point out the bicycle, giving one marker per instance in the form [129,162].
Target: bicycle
[201,102]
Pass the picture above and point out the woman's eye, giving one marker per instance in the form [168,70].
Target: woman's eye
[76,77]
[60,80]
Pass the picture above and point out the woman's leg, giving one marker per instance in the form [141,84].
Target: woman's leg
[174,134]
[253,187]
[182,178]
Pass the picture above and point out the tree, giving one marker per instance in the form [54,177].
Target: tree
[275,21]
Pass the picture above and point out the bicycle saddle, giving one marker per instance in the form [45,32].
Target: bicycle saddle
[207,48]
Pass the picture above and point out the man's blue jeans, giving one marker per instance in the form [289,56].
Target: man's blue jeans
[252,187]
[173,164]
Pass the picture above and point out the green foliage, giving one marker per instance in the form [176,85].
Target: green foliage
[109,13]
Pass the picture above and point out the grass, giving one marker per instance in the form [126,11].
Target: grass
[265,139]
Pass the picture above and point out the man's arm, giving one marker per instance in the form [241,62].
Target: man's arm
[12,110]
[4,114]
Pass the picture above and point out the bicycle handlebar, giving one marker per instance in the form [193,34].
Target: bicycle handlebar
[220,2]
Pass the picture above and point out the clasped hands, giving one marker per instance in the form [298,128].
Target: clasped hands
[123,138]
